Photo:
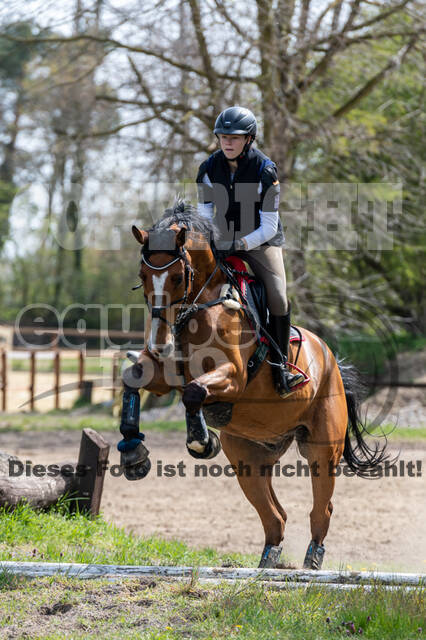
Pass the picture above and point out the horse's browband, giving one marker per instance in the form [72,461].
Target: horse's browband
[164,266]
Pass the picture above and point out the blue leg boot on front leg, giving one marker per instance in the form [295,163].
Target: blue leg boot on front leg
[134,455]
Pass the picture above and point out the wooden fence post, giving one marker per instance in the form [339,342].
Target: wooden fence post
[4,379]
[92,459]
[114,373]
[80,369]
[57,369]
[32,378]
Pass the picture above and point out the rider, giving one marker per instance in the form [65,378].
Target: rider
[241,183]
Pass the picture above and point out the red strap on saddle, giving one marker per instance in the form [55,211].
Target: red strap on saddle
[238,265]
[243,280]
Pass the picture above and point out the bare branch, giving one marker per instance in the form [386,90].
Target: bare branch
[304,14]
[336,15]
[342,42]
[382,34]
[97,134]
[380,16]
[224,12]
[120,45]
[334,4]
[395,61]
[159,113]
[166,104]
[202,45]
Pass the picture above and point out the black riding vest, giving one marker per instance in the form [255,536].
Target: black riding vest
[239,201]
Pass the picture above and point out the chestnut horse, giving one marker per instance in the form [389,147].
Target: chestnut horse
[200,346]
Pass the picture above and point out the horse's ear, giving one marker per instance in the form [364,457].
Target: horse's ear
[140,235]
[181,237]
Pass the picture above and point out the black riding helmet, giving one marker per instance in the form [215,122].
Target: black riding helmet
[237,120]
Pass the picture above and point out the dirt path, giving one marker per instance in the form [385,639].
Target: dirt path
[377,523]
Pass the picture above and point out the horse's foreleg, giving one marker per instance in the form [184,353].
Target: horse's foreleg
[201,442]
[254,465]
[148,374]
[219,382]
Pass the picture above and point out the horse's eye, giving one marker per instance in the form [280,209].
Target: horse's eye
[177,280]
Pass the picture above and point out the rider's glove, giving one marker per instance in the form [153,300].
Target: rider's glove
[237,245]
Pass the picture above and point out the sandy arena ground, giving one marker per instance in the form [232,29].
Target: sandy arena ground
[376,524]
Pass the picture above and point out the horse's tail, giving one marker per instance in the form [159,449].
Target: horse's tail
[360,457]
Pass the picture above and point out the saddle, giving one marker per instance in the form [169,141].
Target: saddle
[253,294]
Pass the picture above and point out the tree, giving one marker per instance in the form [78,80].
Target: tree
[14,58]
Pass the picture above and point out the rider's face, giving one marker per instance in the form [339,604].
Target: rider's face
[232,145]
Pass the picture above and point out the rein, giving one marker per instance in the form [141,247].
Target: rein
[185,314]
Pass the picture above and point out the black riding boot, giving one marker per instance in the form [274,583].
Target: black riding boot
[284,380]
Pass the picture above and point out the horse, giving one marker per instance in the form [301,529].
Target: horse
[200,342]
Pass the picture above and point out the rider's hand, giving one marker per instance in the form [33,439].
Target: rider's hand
[237,245]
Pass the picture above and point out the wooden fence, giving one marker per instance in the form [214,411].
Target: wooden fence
[83,384]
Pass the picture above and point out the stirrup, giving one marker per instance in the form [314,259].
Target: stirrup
[285,381]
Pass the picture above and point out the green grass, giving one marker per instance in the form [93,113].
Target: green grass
[57,536]
[397,434]
[59,607]
[62,420]
[155,609]
[371,353]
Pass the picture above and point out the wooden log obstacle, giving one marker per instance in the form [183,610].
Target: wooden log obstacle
[271,578]
[82,480]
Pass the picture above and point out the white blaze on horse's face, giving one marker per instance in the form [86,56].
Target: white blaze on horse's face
[160,349]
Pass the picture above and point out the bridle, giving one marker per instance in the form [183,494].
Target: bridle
[181,254]
[184,313]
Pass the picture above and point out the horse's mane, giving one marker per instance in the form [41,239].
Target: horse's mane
[186,215]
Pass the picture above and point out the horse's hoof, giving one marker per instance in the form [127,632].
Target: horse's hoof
[138,471]
[135,463]
[270,556]
[211,449]
[314,556]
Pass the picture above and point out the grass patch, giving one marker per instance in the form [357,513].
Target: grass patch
[60,536]
[64,421]
[155,609]
[370,353]
[398,434]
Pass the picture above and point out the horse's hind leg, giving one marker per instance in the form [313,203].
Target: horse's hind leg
[322,460]
[254,463]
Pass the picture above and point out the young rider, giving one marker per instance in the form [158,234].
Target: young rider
[240,185]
